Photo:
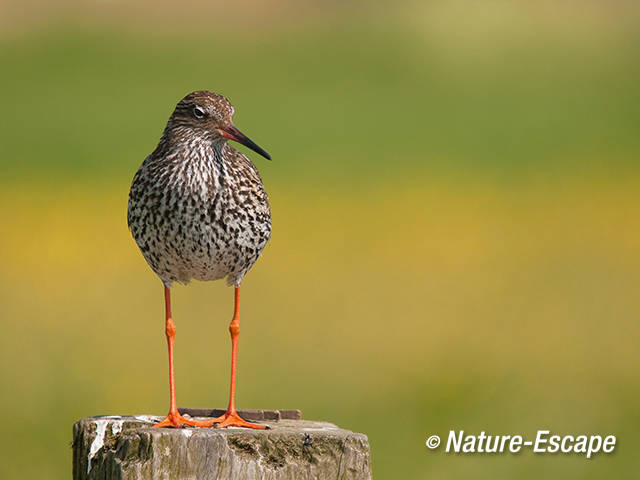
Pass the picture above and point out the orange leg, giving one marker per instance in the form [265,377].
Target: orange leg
[173,419]
[231,418]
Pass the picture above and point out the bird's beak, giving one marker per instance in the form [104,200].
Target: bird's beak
[232,133]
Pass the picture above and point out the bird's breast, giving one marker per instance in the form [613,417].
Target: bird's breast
[198,221]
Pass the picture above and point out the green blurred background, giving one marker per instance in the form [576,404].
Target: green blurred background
[456,238]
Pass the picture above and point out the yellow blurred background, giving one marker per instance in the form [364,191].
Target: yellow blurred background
[456,238]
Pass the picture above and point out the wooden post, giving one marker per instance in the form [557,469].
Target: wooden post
[113,447]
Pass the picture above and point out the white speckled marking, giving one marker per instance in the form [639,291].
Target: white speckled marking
[98,441]
[101,430]
[116,426]
[147,418]
[187,432]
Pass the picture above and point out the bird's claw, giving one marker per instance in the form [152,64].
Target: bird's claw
[232,419]
[175,420]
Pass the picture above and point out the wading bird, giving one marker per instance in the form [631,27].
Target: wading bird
[198,210]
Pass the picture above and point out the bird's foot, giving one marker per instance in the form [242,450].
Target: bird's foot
[175,420]
[231,419]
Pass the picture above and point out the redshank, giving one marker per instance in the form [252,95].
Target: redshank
[198,210]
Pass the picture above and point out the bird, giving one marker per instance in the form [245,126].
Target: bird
[198,210]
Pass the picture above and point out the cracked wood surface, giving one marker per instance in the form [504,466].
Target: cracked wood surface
[113,447]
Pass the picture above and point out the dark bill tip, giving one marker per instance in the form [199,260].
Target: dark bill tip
[232,133]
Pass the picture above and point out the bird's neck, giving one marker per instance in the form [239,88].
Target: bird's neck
[187,143]
[185,153]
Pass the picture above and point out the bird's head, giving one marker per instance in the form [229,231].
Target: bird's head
[209,116]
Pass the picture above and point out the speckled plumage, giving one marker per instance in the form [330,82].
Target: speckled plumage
[197,206]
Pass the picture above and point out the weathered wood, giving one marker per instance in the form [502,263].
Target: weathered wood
[122,448]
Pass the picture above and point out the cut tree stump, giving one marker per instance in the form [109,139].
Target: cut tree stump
[113,447]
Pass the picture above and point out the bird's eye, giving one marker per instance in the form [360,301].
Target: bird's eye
[198,112]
